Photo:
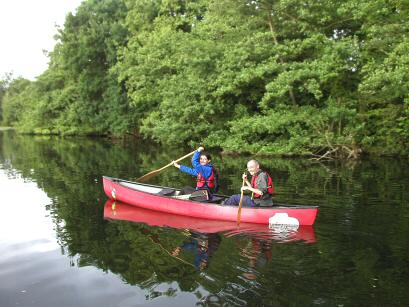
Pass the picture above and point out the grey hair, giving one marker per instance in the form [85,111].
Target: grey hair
[254,161]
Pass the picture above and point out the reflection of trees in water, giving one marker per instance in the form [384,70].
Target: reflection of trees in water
[144,256]
[258,253]
[141,255]
[53,160]
[70,171]
[246,268]
[201,245]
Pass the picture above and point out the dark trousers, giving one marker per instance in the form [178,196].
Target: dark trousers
[234,200]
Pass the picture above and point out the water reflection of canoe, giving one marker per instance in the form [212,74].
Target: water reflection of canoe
[115,210]
[168,200]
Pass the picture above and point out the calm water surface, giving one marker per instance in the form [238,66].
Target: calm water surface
[59,248]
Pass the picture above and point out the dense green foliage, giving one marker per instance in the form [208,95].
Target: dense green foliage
[4,85]
[265,77]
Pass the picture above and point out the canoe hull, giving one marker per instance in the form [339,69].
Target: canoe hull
[137,194]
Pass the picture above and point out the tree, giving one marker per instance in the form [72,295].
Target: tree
[15,101]
[4,84]
[261,76]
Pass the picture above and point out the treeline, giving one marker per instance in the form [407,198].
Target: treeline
[328,78]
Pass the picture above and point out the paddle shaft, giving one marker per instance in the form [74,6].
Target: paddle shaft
[240,204]
[153,173]
[178,160]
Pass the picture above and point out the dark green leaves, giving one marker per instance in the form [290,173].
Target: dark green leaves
[277,77]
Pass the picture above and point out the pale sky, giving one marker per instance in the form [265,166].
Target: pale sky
[27,27]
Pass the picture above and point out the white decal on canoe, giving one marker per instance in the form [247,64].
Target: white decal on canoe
[282,219]
[113,193]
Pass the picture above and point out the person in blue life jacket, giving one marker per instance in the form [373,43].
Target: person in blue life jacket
[261,187]
[203,170]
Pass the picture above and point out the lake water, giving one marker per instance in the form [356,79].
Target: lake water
[57,249]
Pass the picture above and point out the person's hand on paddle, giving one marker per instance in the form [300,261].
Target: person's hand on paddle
[201,148]
[176,252]
[244,188]
[175,164]
[249,188]
[246,184]
[244,176]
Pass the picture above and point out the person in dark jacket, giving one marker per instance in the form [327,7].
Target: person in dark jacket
[202,169]
[261,187]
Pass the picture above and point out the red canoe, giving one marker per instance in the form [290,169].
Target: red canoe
[168,200]
[114,210]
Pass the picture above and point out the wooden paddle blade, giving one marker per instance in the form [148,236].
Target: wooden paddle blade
[239,210]
[240,202]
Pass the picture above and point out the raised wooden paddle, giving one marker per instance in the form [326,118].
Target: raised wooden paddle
[240,203]
[149,175]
